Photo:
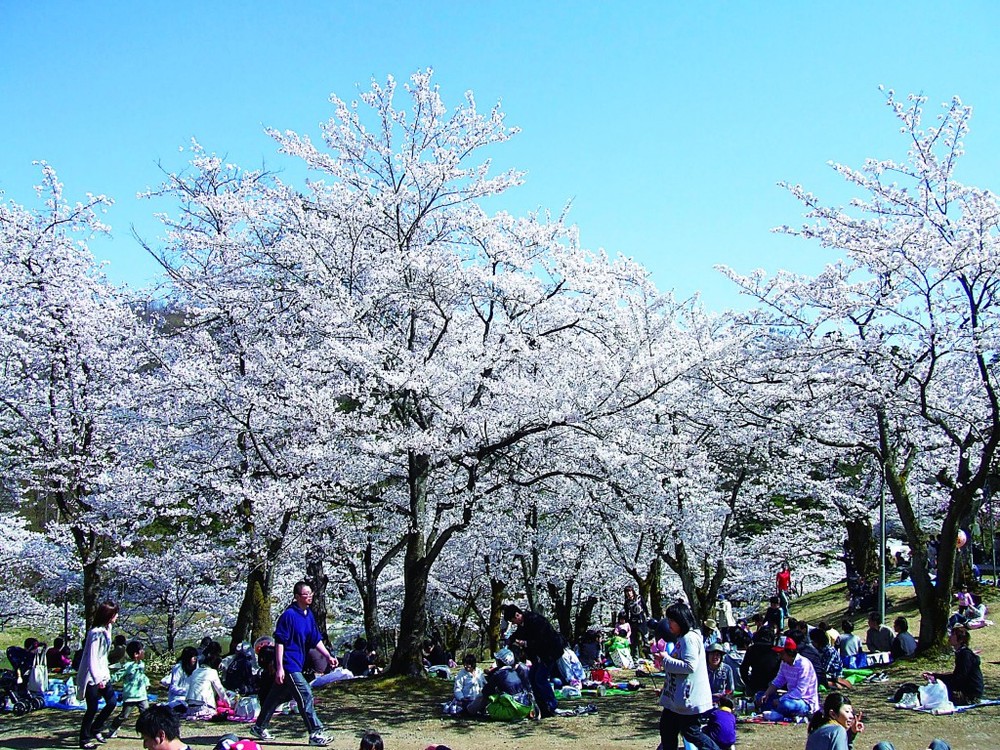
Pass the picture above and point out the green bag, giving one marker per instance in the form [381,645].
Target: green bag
[505,707]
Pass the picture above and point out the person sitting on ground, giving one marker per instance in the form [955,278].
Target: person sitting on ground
[879,637]
[903,645]
[808,651]
[740,635]
[57,658]
[774,616]
[836,726]
[721,724]
[622,627]
[434,655]
[720,675]
[849,645]
[118,650]
[797,678]
[831,670]
[760,663]
[177,681]
[468,682]
[710,632]
[371,740]
[160,728]
[965,682]
[507,677]
[976,614]
[205,690]
[359,662]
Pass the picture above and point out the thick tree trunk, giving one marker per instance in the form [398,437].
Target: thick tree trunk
[254,617]
[861,547]
[407,659]
[498,590]
[583,617]
[318,580]
[562,605]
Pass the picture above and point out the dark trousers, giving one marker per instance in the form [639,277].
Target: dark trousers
[91,725]
[688,727]
[295,687]
[545,697]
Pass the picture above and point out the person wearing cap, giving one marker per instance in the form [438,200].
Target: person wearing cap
[797,677]
[720,674]
[507,677]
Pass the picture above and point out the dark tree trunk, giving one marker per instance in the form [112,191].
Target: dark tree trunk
[862,548]
[254,617]
[498,589]
[318,580]
[584,615]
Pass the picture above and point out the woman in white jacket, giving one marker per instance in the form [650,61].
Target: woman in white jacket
[93,681]
[686,694]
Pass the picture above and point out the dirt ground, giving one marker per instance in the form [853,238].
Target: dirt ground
[407,715]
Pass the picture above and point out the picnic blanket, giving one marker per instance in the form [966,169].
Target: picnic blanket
[950,710]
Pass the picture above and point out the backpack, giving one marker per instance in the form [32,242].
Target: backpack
[505,707]
[240,676]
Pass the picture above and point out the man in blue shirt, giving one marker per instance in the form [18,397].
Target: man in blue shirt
[294,635]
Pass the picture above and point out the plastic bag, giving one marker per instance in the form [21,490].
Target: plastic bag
[933,695]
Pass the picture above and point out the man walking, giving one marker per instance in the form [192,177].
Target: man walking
[294,635]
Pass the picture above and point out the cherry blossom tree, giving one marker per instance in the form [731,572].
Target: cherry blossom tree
[891,350]
[71,350]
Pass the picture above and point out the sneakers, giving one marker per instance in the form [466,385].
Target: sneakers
[318,739]
[261,734]
[101,738]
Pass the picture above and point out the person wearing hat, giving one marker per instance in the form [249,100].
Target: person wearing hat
[539,642]
[507,677]
[720,674]
[797,677]
[710,632]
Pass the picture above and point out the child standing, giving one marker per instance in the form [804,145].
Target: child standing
[134,685]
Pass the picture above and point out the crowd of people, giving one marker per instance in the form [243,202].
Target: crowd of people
[779,663]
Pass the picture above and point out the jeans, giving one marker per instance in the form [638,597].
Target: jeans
[785,707]
[91,726]
[545,697]
[687,726]
[295,687]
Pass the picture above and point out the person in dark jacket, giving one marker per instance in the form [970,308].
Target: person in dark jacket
[541,644]
[904,644]
[965,683]
[507,677]
[760,664]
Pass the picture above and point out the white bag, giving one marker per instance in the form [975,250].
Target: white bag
[934,695]
[247,708]
[622,659]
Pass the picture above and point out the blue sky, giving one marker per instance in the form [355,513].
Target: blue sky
[666,124]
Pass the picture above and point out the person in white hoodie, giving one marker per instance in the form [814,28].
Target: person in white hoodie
[93,680]
[686,695]
[469,682]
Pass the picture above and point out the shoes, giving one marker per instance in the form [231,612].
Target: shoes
[318,739]
[101,738]
[112,735]
[261,734]
[90,745]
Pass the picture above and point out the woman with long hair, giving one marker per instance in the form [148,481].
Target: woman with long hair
[686,694]
[93,681]
[836,726]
